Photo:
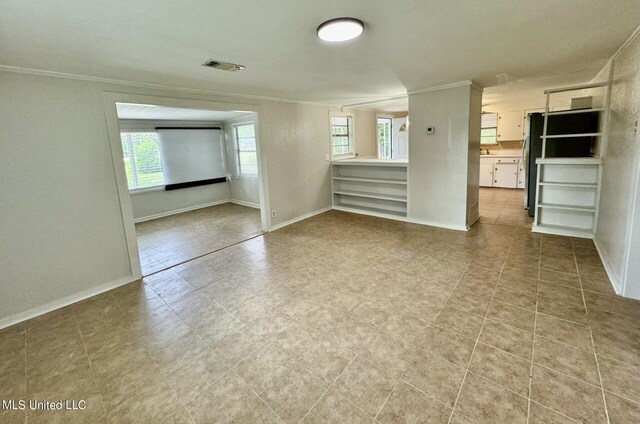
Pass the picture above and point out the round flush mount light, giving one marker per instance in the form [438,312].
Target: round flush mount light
[340,29]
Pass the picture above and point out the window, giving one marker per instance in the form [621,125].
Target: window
[246,150]
[142,159]
[384,138]
[342,135]
[489,128]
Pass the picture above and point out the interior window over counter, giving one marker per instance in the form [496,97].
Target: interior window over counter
[342,143]
[247,156]
[489,128]
[142,160]
[384,138]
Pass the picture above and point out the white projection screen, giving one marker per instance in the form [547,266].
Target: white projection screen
[190,154]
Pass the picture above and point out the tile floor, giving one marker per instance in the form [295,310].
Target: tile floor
[168,241]
[343,318]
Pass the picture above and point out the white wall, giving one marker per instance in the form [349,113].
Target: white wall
[473,156]
[61,232]
[244,190]
[151,203]
[366,127]
[438,182]
[618,233]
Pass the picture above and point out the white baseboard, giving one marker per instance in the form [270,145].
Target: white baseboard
[401,218]
[299,218]
[65,301]
[177,211]
[438,224]
[245,203]
[613,277]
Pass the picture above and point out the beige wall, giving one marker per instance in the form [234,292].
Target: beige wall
[366,126]
[438,180]
[61,232]
[473,156]
[618,232]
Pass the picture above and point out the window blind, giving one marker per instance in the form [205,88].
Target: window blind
[190,155]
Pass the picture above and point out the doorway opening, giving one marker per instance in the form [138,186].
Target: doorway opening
[193,180]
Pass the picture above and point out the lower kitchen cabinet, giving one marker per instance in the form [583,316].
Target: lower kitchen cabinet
[501,171]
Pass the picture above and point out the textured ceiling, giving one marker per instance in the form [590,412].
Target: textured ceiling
[406,45]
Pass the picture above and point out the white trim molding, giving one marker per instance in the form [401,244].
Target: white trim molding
[181,210]
[65,301]
[462,83]
[615,281]
[80,77]
[401,218]
[245,203]
[300,218]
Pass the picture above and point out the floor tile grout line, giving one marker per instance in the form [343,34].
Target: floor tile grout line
[595,353]
[623,396]
[557,412]
[258,395]
[84,347]
[429,395]
[203,255]
[375,418]
[464,378]
[327,391]
[146,348]
[533,342]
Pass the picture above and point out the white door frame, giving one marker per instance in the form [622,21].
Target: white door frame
[113,128]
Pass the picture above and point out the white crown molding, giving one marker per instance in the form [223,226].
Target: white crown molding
[79,77]
[456,84]
[628,41]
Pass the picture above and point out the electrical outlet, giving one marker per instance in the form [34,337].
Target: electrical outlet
[273,213]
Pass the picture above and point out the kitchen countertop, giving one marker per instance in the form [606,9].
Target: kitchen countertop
[371,161]
[500,156]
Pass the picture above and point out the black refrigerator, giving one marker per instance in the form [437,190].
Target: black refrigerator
[578,123]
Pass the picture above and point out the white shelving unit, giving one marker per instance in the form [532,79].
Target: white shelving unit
[370,186]
[568,189]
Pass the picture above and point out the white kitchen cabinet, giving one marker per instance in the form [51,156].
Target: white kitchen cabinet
[505,175]
[486,172]
[511,125]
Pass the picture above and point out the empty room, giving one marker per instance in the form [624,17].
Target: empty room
[320,212]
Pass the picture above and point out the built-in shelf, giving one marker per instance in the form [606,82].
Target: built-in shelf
[574,111]
[371,180]
[567,207]
[564,185]
[577,185]
[569,161]
[563,230]
[370,210]
[370,186]
[598,134]
[372,195]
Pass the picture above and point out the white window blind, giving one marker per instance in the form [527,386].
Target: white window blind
[142,161]
[489,128]
[246,153]
[342,135]
[191,154]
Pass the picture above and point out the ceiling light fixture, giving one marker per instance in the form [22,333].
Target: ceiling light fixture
[340,29]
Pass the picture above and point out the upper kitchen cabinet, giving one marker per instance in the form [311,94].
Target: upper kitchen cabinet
[511,126]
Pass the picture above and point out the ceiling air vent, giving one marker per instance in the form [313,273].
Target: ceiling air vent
[223,66]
